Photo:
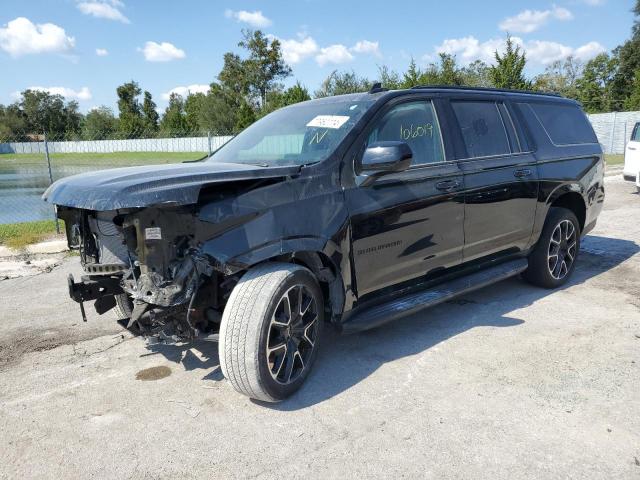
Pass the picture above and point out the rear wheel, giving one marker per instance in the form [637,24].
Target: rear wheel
[554,258]
[270,331]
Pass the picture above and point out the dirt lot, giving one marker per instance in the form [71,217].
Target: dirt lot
[509,382]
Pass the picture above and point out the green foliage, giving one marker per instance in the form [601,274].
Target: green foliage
[44,112]
[340,83]
[561,77]
[633,102]
[130,122]
[594,87]
[174,120]
[150,116]
[508,71]
[265,66]
[99,124]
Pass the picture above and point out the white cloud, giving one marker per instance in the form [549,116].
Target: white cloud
[21,37]
[102,52]
[109,9]
[334,54]
[469,49]
[69,93]
[595,3]
[161,52]
[186,91]
[294,51]
[589,51]
[529,21]
[365,46]
[255,19]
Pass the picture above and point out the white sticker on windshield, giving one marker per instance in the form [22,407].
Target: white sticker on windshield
[328,121]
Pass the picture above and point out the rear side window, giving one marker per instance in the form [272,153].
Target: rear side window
[483,130]
[565,124]
[635,137]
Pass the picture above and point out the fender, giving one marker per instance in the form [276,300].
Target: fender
[547,198]
[321,255]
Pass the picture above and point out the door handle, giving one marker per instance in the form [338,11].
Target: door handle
[525,172]
[447,185]
[631,148]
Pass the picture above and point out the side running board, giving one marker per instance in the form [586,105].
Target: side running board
[400,307]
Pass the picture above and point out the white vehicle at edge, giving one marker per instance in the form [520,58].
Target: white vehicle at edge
[632,157]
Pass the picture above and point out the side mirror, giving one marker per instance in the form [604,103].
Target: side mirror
[381,158]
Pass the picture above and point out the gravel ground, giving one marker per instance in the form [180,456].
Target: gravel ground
[508,382]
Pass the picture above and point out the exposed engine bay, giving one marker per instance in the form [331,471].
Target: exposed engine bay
[148,264]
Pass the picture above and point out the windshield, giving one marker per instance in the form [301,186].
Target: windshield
[296,135]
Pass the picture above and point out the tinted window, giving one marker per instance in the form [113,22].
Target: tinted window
[414,123]
[565,124]
[482,128]
[636,133]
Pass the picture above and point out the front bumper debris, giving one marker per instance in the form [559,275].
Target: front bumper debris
[99,288]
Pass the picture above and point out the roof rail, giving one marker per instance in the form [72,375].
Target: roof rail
[485,89]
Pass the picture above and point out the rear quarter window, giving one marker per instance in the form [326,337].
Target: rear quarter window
[566,124]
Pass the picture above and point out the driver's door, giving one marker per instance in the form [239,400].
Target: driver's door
[409,224]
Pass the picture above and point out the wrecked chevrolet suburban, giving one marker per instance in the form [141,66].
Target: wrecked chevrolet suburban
[350,211]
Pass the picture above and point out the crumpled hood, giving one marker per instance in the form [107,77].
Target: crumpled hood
[178,184]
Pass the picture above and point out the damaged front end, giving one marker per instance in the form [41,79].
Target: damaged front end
[147,263]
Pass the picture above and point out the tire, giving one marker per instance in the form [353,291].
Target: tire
[124,307]
[258,346]
[551,263]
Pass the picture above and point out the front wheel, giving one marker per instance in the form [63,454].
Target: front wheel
[270,331]
[554,258]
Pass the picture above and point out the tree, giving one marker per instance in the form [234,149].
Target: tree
[340,83]
[174,121]
[509,68]
[192,107]
[12,123]
[594,86]
[48,113]
[628,62]
[561,77]
[130,122]
[389,78]
[413,76]
[633,102]
[99,124]
[265,65]
[296,94]
[150,115]
[219,110]
[448,71]
[476,74]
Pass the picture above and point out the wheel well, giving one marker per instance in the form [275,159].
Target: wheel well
[574,202]
[327,275]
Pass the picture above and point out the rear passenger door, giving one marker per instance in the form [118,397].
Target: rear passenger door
[500,177]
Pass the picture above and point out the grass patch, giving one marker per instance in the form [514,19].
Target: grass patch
[19,235]
[614,159]
[114,159]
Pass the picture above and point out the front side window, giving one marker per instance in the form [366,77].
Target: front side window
[636,133]
[416,124]
[483,130]
[300,134]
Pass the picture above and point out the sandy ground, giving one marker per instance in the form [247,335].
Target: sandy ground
[508,382]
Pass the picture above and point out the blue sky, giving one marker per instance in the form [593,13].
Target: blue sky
[86,48]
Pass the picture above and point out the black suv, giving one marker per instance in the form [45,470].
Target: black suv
[352,210]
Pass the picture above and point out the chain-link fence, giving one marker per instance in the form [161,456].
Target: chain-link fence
[30,162]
